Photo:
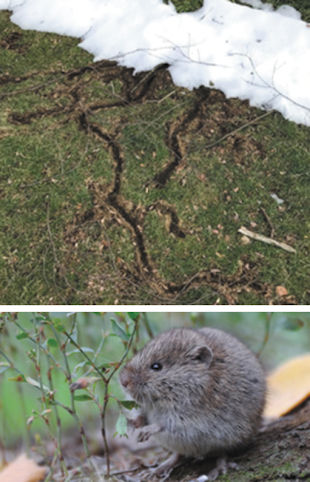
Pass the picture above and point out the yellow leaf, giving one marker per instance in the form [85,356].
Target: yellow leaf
[22,469]
[288,386]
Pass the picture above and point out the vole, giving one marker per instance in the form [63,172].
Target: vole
[201,392]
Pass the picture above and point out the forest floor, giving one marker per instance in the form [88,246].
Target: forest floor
[278,453]
[126,189]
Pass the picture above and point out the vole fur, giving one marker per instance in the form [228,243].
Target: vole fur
[201,392]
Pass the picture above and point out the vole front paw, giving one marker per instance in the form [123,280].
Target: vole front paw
[137,422]
[146,432]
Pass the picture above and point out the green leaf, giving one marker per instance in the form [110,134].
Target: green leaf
[119,331]
[82,398]
[52,343]
[121,425]
[58,324]
[293,325]
[87,349]
[133,316]
[40,317]
[84,348]
[194,317]
[22,335]
[80,365]
[129,404]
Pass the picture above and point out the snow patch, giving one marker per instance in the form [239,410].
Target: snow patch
[249,51]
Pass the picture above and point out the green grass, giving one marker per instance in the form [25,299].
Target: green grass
[62,242]
[191,5]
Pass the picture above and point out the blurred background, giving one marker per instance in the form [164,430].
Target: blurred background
[41,354]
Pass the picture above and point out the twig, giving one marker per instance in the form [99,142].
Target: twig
[271,86]
[212,144]
[147,325]
[106,397]
[58,451]
[268,222]
[267,333]
[129,471]
[265,239]
[69,379]
[92,364]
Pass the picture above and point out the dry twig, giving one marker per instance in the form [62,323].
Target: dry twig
[265,239]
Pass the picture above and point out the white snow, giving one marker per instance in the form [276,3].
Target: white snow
[249,51]
[277,198]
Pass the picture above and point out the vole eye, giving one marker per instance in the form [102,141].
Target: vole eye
[156,366]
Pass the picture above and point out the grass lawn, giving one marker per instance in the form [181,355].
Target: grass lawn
[117,188]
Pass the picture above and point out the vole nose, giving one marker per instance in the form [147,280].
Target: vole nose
[124,378]
[125,382]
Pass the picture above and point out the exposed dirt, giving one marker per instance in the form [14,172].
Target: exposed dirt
[108,200]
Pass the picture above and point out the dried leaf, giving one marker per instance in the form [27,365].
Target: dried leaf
[281,291]
[37,384]
[245,240]
[83,382]
[22,469]
[288,386]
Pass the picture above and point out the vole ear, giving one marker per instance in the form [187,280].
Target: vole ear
[203,354]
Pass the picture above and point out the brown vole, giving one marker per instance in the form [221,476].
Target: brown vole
[201,392]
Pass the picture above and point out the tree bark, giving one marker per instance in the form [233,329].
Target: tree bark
[279,452]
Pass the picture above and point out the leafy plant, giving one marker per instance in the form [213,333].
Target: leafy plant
[65,373]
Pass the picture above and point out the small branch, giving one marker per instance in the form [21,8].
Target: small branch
[247,124]
[92,364]
[35,342]
[267,333]
[272,86]
[11,363]
[58,451]
[147,325]
[268,222]
[129,471]
[69,379]
[265,239]
[106,398]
